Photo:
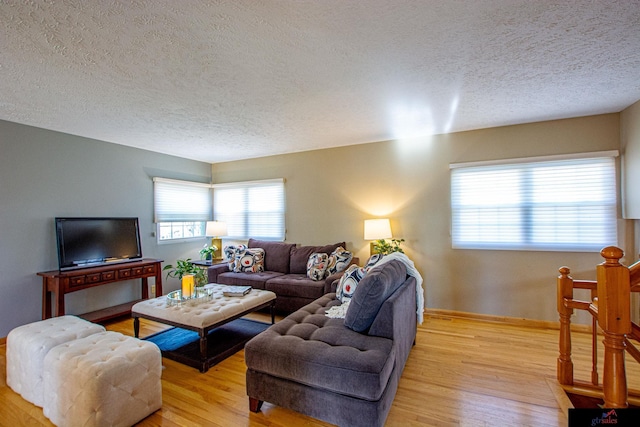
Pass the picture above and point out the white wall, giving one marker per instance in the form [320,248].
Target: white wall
[630,145]
[331,192]
[44,174]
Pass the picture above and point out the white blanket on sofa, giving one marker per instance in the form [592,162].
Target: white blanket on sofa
[341,310]
[411,271]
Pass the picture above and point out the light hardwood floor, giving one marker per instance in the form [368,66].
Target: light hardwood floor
[461,372]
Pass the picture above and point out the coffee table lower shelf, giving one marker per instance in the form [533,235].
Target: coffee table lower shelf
[222,342]
[198,355]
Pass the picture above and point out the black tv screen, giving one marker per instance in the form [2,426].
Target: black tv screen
[83,242]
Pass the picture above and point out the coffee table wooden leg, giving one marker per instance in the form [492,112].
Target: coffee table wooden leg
[204,362]
[136,327]
[273,314]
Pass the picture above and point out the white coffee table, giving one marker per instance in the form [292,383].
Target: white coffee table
[201,315]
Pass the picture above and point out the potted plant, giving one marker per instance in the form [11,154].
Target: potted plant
[185,266]
[207,251]
[383,247]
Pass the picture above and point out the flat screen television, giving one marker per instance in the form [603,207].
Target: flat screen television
[85,242]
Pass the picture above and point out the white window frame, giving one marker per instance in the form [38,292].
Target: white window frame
[527,204]
[182,206]
[251,209]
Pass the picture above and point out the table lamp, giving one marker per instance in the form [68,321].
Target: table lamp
[216,229]
[376,229]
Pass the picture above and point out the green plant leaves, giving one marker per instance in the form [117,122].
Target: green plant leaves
[185,266]
[386,247]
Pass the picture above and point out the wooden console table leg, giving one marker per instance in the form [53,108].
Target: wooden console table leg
[158,280]
[145,288]
[46,300]
[59,302]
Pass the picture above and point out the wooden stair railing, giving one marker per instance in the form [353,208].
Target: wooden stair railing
[566,305]
[610,307]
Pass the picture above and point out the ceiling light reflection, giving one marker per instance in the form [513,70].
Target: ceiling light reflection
[410,121]
[453,108]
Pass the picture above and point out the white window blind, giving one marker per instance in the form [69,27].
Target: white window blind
[176,200]
[251,209]
[555,205]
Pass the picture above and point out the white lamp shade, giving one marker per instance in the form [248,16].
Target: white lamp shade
[375,229]
[216,229]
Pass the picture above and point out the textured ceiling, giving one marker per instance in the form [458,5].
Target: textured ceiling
[229,79]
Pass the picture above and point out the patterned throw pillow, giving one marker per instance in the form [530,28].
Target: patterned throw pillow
[230,255]
[372,261]
[349,281]
[338,261]
[317,266]
[249,261]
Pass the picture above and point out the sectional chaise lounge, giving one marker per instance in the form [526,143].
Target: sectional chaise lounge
[341,370]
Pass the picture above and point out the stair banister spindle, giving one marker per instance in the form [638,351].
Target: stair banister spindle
[565,292]
[594,340]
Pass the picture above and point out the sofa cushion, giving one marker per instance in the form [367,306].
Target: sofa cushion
[276,254]
[309,348]
[339,260]
[317,265]
[249,261]
[255,280]
[296,285]
[349,282]
[300,255]
[372,291]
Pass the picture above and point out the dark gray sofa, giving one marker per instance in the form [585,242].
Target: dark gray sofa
[320,367]
[285,273]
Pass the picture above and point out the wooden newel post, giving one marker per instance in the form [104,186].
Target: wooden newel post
[614,306]
[565,290]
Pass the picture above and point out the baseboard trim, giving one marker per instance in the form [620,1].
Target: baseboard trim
[516,321]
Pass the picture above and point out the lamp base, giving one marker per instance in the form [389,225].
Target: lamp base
[217,255]
[372,248]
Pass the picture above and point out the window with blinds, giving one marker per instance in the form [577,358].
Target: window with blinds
[542,204]
[251,209]
[181,208]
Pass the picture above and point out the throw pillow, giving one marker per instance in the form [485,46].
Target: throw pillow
[249,261]
[338,261]
[300,255]
[349,282]
[230,255]
[276,254]
[372,291]
[317,265]
[373,260]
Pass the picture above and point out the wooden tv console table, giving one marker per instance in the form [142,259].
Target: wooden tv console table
[58,283]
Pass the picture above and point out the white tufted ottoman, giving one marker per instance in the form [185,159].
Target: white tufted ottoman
[106,379]
[27,346]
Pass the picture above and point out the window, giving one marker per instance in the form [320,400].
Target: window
[181,208]
[251,209]
[535,204]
